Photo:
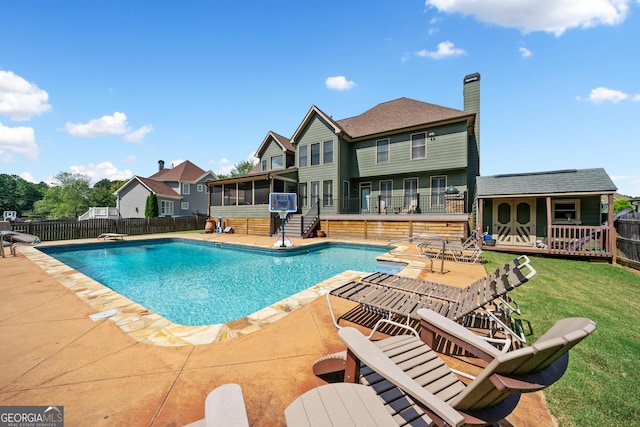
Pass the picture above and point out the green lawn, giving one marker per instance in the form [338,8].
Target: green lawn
[602,384]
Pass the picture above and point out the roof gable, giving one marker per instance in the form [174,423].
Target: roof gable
[282,141]
[184,172]
[315,111]
[398,114]
[552,182]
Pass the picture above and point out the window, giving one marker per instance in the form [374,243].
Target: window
[302,156]
[184,206]
[327,152]
[277,162]
[186,188]
[315,154]
[327,195]
[438,188]
[199,188]
[315,192]
[386,191]
[263,165]
[418,146]
[166,207]
[410,194]
[566,211]
[302,194]
[382,154]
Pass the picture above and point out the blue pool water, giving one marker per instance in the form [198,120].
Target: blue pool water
[202,283]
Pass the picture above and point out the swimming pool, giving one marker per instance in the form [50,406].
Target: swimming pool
[196,283]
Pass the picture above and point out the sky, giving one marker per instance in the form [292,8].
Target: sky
[109,88]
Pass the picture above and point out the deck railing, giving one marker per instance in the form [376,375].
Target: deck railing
[579,240]
[409,204]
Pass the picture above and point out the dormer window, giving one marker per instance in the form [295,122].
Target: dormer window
[277,162]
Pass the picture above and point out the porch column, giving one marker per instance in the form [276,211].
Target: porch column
[611,243]
[479,225]
[549,223]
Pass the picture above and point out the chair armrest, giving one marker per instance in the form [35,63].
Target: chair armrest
[436,323]
[369,354]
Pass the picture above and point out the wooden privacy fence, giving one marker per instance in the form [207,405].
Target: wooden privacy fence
[68,230]
[628,240]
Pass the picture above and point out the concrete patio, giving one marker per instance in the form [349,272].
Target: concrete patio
[54,354]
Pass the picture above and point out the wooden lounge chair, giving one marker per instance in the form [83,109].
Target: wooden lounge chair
[12,239]
[397,299]
[416,386]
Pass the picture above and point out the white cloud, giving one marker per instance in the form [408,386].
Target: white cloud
[551,16]
[20,140]
[19,99]
[445,50]
[101,171]
[225,170]
[602,94]
[27,177]
[138,134]
[636,97]
[524,52]
[105,125]
[339,83]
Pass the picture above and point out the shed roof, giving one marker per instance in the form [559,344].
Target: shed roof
[569,181]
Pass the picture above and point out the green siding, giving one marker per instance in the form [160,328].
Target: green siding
[447,151]
[273,149]
[318,131]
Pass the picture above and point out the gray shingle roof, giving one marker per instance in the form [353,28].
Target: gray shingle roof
[551,182]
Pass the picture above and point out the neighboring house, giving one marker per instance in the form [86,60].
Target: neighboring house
[355,174]
[554,212]
[181,191]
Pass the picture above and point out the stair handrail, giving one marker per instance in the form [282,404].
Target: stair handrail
[309,219]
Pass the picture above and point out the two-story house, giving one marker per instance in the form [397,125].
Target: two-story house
[180,190]
[400,168]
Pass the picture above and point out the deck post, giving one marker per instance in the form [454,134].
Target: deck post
[549,223]
[611,240]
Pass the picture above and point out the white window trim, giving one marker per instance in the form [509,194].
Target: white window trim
[199,188]
[187,186]
[378,162]
[184,206]
[425,145]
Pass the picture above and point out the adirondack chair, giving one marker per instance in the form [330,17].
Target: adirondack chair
[417,387]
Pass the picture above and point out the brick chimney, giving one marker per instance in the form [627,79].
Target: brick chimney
[160,165]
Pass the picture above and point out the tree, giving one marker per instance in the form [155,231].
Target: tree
[101,194]
[18,194]
[621,204]
[151,208]
[242,168]
[68,198]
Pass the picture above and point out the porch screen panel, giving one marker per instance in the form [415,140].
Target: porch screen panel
[245,193]
[261,192]
[216,195]
[230,195]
